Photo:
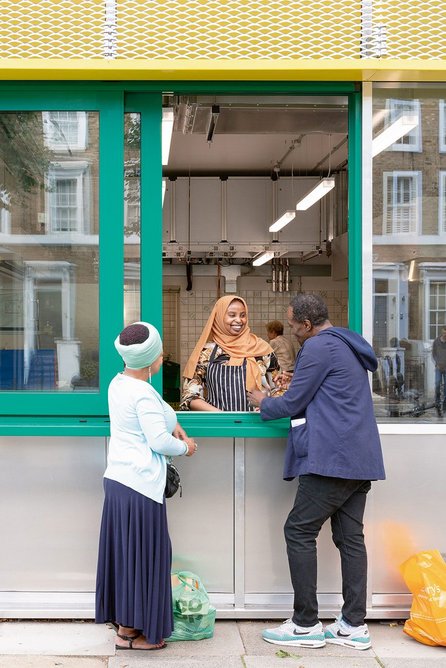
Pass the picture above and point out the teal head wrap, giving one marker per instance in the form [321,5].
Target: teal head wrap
[141,355]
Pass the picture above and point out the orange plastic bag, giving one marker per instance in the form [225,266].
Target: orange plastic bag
[425,575]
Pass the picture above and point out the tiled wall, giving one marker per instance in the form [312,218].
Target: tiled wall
[171,323]
[263,305]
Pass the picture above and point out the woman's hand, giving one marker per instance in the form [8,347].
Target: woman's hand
[179,432]
[283,379]
[255,397]
[202,405]
[192,447]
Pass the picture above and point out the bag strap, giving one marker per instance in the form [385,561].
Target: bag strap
[183,576]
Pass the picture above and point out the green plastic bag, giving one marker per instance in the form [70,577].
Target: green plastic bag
[193,615]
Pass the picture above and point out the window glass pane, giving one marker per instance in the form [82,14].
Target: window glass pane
[235,165]
[132,207]
[409,238]
[49,253]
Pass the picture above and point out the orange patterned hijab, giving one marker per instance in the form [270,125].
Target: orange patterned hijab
[239,347]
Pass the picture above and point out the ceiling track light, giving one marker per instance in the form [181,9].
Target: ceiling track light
[284,219]
[262,258]
[215,112]
[166,134]
[311,254]
[315,194]
[401,127]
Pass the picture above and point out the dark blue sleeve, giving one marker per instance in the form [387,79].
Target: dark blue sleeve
[311,369]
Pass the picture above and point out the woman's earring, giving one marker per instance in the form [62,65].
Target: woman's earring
[150,374]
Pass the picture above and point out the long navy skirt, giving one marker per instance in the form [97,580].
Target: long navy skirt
[133,584]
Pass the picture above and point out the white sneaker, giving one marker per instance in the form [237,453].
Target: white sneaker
[340,633]
[290,634]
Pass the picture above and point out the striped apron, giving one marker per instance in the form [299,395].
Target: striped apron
[226,385]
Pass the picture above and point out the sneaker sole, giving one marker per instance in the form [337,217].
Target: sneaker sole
[297,643]
[349,643]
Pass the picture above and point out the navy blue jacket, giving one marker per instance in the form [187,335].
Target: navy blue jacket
[330,388]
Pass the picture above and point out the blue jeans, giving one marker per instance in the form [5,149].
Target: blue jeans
[440,379]
[343,501]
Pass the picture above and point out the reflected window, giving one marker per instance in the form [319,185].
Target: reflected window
[65,130]
[412,140]
[437,307]
[67,187]
[402,202]
[5,211]
[442,126]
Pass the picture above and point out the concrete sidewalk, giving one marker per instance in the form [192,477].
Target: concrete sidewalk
[236,644]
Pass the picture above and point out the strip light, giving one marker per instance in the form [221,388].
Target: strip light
[266,256]
[166,134]
[401,127]
[315,194]
[286,218]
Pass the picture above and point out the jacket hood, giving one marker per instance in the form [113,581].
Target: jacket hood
[361,348]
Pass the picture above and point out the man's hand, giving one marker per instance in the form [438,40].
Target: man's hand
[255,397]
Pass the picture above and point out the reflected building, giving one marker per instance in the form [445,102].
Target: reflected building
[409,237]
[49,250]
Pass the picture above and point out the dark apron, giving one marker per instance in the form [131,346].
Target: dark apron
[226,385]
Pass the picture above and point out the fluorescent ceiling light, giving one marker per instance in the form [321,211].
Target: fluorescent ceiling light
[166,134]
[402,126]
[314,195]
[287,217]
[163,191]
[266,256]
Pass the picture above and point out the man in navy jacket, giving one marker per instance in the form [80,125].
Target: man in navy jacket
[334,449]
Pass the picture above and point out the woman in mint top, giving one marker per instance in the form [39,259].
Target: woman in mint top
[133,586]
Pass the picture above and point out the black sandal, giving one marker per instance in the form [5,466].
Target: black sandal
[131,639]
[123,636]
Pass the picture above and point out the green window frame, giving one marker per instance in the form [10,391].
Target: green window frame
[86,414]
[109,105]
[149,106]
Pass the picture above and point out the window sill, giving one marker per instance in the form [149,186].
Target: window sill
[237,425]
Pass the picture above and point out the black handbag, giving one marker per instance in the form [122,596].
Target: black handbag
[173,481]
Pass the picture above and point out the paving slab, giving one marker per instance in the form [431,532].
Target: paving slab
[312,662]
[223,650]
[251,634]
[52,662]
[415,663]
[56,639]
[148,660]
[390,641]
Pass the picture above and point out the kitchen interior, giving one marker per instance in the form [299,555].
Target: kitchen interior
[255,204]
[254,195]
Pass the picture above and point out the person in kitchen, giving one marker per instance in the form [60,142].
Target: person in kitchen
[227,361]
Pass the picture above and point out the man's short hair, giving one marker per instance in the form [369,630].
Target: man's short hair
[275,326]
[310,307]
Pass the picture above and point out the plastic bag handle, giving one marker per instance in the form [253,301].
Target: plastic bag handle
[184,575]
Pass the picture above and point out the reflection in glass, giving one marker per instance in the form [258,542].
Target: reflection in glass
[409,269]
[132,218]
[49,233]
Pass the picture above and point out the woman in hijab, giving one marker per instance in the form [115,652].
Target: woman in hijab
[227,361]
[133,586]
